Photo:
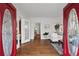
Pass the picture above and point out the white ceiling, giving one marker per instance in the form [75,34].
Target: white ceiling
[40,9]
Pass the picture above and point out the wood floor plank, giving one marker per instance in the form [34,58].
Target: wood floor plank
[34,49]
[37,48]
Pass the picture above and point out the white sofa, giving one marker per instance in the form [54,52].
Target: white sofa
[55,37]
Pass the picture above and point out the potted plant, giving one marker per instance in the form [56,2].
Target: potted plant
[57,27]
[45,34]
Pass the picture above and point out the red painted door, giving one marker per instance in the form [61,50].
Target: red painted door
[71,29]
[7,30]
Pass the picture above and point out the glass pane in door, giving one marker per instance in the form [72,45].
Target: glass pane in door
[7,33]
[73,32]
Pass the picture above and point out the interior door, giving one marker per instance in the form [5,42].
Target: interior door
[7,29]
[71,30]
[25,30]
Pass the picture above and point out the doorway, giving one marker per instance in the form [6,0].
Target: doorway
[20,31]
[37,31]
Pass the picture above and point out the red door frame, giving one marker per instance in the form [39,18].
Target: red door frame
[12,10]
[66,12]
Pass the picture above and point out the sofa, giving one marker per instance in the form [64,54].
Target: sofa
[56,37]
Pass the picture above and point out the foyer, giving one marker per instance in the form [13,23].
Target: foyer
[39,29]
[36,34]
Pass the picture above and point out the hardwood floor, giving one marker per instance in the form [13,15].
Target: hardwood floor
[37,47]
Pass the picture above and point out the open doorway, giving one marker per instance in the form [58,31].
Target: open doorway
[20,31]
[37,31]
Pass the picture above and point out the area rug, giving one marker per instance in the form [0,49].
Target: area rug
[58,48]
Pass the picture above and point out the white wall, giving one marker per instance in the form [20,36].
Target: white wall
[44,20]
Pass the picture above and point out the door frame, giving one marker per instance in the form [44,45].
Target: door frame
[23,40]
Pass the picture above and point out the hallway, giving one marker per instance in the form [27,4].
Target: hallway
[41,18]
[37,47]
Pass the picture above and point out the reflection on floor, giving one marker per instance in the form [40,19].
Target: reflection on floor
[37,48]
